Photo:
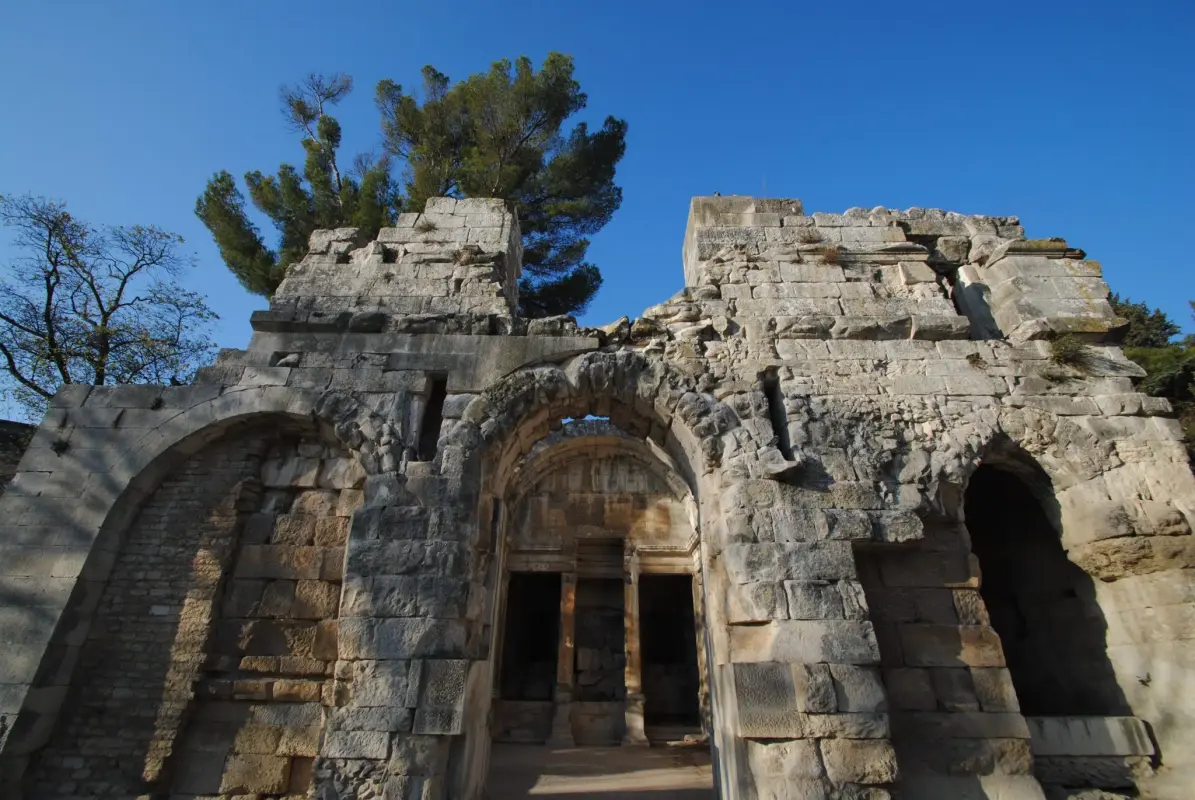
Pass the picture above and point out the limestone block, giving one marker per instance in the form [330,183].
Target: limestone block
[255,774]
[756,602]
[805,642]
[1089,736]
[954,689]
[401,638]
[441,695]
[858,689]
[356,744]
[910,689]
[804,561]
[288,472]
[950,646]
[418,755]
[994,689]
[813,600]
[845,726]
[767,701]
[784,762]
[341,473]
[859,761]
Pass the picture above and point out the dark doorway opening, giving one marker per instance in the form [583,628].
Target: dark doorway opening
[433,418]
[1042,606]
[532,631]
[668,644]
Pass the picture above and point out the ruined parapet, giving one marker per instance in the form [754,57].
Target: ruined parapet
[888,274]
[458,260]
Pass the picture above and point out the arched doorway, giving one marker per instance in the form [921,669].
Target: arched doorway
[1042,605]
[598,651]
[598,633]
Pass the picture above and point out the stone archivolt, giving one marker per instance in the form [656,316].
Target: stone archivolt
[306,571]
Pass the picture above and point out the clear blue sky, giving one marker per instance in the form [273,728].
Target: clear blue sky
[1076,116]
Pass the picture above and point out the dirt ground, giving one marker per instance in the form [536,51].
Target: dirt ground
[600,773]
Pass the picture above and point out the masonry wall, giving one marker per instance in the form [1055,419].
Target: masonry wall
[822,389]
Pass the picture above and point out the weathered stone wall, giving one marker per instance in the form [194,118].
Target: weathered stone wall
[214,638]
[816,400]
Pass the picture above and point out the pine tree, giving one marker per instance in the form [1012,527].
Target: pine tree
[1147,327]
[323,195]
[500,134]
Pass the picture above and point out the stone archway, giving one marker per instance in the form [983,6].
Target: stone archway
[609,525]
[213,640]
[677,429]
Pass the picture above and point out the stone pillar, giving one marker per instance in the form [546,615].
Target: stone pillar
[634,735]
[562,719]
[699,631]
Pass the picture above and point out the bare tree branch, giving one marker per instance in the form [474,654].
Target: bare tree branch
[101,305]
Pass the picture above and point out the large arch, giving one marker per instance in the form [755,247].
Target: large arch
[1110,505]
[125,476]
[219,598]
[645,398]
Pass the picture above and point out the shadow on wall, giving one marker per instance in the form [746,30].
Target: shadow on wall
[171,621]
[964,659]
[1041,604]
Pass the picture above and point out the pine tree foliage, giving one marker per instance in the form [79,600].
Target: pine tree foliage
[502,134]
[1169,365]
[1147,327]
[323,195]
[85,304]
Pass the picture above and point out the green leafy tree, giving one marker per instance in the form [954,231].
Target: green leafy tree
[324,195]
[1169,366]
[84,304]
[502,134]
[1147,327]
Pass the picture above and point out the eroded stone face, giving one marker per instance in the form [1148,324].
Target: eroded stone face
[296,576]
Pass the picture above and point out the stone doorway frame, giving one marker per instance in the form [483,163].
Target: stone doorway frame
[636,560]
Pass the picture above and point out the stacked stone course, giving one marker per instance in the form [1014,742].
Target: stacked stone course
[304,597]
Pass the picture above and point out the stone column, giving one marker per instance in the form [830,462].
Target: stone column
[562,718]
[634,735]
[700,632]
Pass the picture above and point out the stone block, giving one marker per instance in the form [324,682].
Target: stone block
[954,689]
[815,689]
[418,755]
[293,529]
[1089,736]
[341,473]
[756,602]
[859,761]
[910,689]
[858,689]
[256,774]
[950,646]
[994,690]
[331,531]
[767,701]
[813,600]
[784,761]
[356,744]
[805,642]
[802,561]
[845,726]
[290,472]
[315,599]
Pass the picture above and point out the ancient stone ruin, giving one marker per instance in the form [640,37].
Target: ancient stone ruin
[871,503]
